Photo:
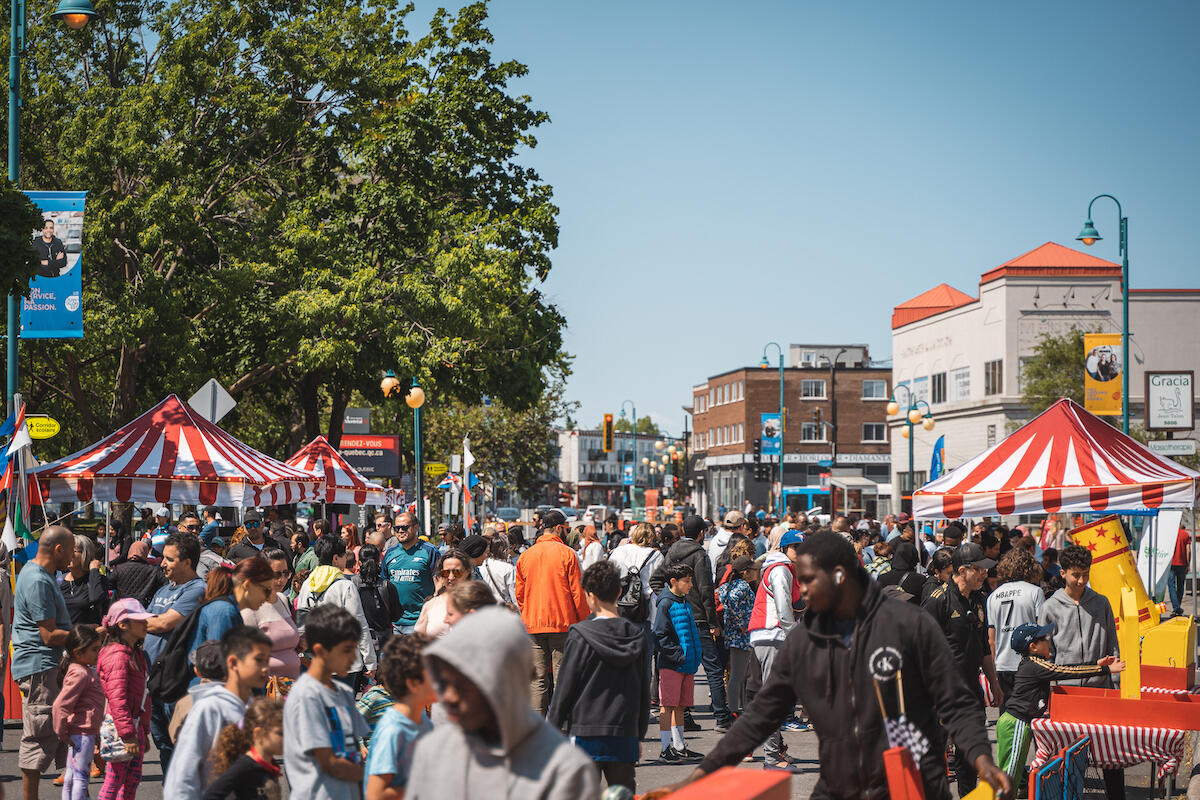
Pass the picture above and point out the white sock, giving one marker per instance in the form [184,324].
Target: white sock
[677,737]
[666,739]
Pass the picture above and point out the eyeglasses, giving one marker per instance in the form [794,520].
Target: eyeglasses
[382,525]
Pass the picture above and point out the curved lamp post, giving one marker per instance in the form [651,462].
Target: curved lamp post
[414,398]
[764,364]
[74,14]
[914,416]
[1089,236]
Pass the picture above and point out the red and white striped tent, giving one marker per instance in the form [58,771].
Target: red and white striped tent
[171,454]
[1064,459]
[340,482]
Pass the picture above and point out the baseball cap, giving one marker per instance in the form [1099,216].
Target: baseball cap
[127,608]
[791,537]
[162,511]
[553,518]
[252,516]
[474,546]
[970,553]
[1024,635]
[734,519]
[693,526]
[903,517]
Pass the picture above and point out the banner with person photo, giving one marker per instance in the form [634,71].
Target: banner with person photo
[54,307]
[1102,373]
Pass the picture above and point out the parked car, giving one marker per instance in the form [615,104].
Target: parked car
[508,513]
[596,514]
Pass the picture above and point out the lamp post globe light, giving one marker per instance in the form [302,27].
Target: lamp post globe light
[414,398]
[764,364]
[1089,236]
[915,415]
[75,14]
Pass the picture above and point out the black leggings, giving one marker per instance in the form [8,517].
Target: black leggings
[618,773]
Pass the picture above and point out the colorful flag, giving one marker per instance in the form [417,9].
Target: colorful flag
[939,457]
[468,460]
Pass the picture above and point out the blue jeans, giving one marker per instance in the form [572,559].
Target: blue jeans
[1175,584]
[712,658]
[160,718]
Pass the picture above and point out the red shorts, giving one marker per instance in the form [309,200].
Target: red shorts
[675,688]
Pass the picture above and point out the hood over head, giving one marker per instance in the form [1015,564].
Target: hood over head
[617,641]
[905,558]
[682,549]
[322,578]
[490,647]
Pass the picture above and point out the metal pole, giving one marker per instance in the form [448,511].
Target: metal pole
[16,41]
[780,506]
[911,482]
[420,465]
[1125,325]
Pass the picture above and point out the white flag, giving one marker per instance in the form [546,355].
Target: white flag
[468,459]
[10,534]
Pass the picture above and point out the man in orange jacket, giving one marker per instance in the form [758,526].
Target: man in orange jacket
[551,600]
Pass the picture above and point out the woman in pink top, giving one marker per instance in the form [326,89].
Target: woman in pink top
[274,618]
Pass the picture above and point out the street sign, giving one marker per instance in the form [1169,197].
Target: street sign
[42,426]
[1169,447]
[826,463]
[212,401]
[627,476]
[372,454]
[435,469]
[356,420]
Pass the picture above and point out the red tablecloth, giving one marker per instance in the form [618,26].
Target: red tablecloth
[1113,746]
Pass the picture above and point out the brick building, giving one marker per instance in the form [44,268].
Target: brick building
[835,442]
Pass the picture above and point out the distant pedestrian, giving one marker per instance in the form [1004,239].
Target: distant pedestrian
[551,601]
[736,595]
[136,577]
[380,601]
[410,566]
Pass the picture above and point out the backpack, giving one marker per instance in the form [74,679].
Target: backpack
[632,604]
[172,670]
[720,606]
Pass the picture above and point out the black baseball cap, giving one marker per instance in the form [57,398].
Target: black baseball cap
[553,518]
[971,554]
[1024,635]
[693,526]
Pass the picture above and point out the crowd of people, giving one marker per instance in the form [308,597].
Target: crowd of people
[536,656]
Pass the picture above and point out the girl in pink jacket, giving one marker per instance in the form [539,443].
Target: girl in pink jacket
[79,708]
[123,673]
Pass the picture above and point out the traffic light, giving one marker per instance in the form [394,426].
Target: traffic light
[607,438]
[758,466]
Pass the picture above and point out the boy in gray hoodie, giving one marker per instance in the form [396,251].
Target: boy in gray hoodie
[495,744]
[214,705]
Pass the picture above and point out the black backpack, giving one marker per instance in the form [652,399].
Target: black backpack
[171,673]
[632,604]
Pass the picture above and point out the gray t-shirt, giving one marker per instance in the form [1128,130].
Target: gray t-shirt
[316,716]
[182,597]
[37,598]
[1013,604]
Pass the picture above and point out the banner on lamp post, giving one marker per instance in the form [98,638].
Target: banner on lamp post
[772,434]
[54,307]
[1102,373]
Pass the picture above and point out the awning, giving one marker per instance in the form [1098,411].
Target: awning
[854,482]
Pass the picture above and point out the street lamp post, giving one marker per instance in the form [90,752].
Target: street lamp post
[833,420]
[414,398]
[633,458]
[914,415]
[74,14]
[1089,236]
[764,364]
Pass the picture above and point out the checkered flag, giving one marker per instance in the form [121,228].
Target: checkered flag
[901,732]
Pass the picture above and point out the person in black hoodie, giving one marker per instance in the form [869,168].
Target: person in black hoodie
[602,692]
[849,639]
[904,572]
[704,608]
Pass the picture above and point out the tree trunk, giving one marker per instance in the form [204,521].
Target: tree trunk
[337,415]
[124,393]
[309,402]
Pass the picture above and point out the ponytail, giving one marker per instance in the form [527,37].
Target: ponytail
[79,638]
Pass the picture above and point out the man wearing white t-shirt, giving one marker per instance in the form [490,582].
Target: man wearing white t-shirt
[1016,601]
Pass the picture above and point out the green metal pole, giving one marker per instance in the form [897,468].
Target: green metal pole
[780,506]
[16,41]
[418,478]
[911,485]
[1125,365]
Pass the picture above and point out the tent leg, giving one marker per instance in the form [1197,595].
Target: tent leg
[107,536]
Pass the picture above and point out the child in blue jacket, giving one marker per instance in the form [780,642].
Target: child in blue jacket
[677,642]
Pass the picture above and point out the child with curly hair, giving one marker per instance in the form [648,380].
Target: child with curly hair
[243,756]
[394,740]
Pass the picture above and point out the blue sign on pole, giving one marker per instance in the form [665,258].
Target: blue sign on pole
[54,308]
[627,476]
[772,434]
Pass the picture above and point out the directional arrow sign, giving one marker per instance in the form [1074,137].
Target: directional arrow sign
[212,401]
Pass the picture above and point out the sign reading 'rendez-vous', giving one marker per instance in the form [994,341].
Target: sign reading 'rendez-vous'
[1170,401]
[54,307]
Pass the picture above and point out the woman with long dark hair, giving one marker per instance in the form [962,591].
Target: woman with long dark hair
[380,600]
[227,592]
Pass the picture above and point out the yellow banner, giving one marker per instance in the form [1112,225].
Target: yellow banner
[1102,373]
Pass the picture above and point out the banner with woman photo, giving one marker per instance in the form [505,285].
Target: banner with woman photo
[1102,373]
[54,307]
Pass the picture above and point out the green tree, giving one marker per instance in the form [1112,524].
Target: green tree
[291,197]
[1054,371]
[645,426]
[19,218]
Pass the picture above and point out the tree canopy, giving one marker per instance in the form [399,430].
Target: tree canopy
[290,197]
[1054,371]
[645,426]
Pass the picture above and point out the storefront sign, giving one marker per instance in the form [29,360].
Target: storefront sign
[1170,401]
[372,455]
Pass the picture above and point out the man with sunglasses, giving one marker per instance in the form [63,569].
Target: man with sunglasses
[190,523]
[256,539]
[409,566]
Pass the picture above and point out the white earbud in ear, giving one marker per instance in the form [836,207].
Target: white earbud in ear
[838,578]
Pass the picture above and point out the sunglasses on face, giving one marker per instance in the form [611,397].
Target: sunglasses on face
[446,573]
[189,527]
[252,524]
[280,573]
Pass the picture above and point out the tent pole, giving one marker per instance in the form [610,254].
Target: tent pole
[107,536]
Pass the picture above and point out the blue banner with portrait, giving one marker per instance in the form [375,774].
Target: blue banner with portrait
[54,307]
[772,434]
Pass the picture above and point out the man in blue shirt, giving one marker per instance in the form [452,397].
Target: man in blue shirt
[410,569]
[40,627]
[170,606]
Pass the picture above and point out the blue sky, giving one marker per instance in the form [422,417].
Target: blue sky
[734,173]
